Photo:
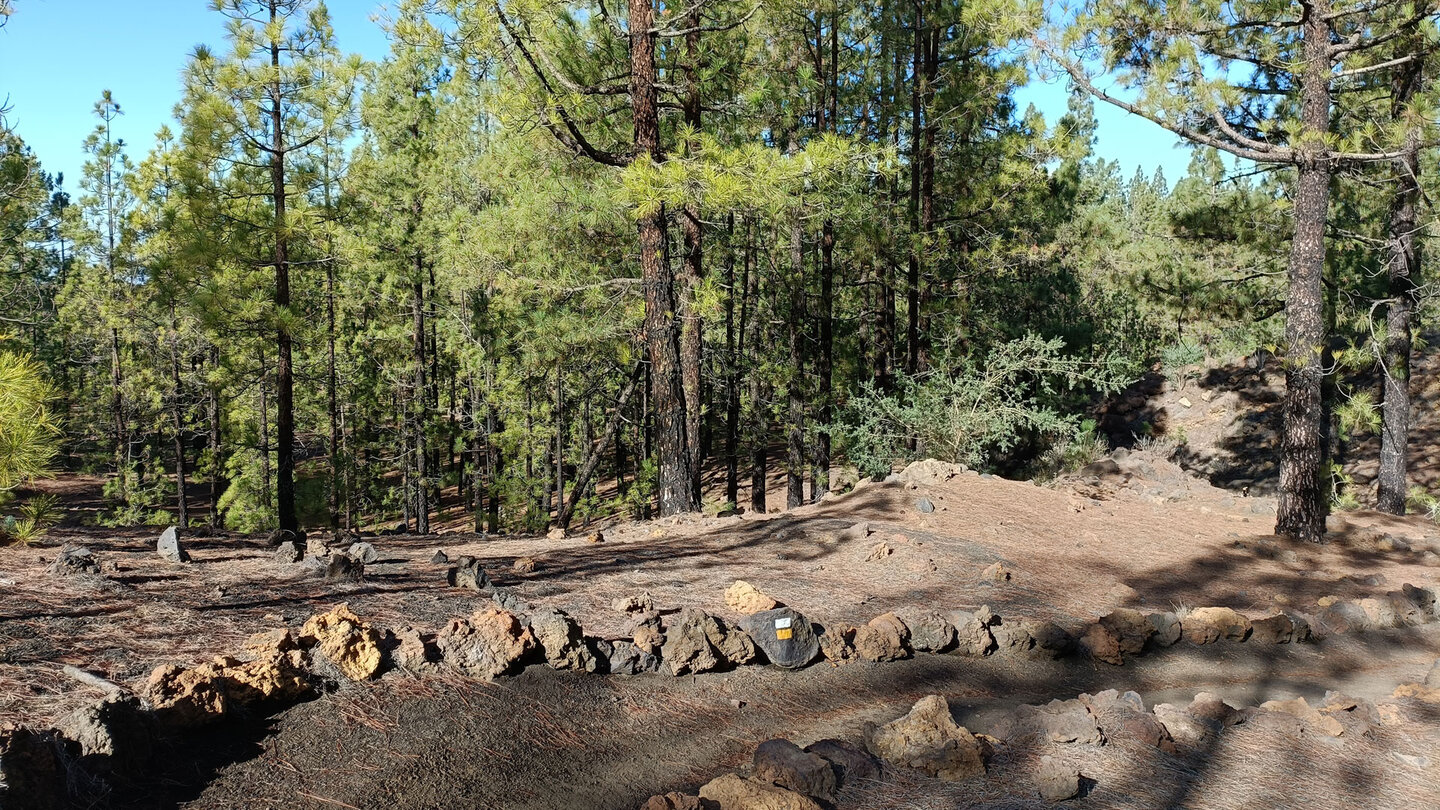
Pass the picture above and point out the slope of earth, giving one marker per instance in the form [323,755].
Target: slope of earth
[1225,421]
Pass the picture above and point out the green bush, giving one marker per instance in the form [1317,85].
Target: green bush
[979,410]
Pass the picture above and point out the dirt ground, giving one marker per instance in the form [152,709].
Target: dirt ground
[1140,533]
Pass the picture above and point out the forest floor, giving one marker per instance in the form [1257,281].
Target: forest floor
[1143,532]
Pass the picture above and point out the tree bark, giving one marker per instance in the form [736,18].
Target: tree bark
[795,322]
[692,269]
[217,456]
[284,370]
[177,423]
[1301,513]
[418,404]
[1403,271]
[675,492]
[734,343]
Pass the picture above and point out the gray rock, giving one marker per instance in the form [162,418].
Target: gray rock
[972,633]
[288,553]
[169,548]
[74,560]
[624,658]
[115,734]
[853,764]
[439,557]
[561,641]
[1131,628]
[506,599]
[924,506]
[792,650]
[1056,781]
[1277,629]
[1345,617]
[364,552]
[688,648]
[782,763]
[1059,721]
[929,630]
[1432,679]
[1167,629]
[35,768]
[315,565]
[344,568]
[468,573]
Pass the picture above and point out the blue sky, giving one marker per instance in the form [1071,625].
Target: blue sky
[56,56]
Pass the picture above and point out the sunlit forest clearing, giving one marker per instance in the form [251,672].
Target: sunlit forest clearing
[727,406]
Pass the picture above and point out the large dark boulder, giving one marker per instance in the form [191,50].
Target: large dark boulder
[785,636]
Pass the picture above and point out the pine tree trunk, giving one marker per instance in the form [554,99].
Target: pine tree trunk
[692,271]
[559,443]
[795,322]
[759,390]
[733,347]
[217,456]
[1403,270]
[417,402]
[284,370]
[1301,512]
[676,494]
[332,396]
[177,424]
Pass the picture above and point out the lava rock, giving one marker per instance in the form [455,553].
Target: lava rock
[852,764]
[924,506]
[349,644]
[561,641]
[733,792]
[972,633]
[624,658]
[1057,781]
[114,734]
[287,553]
[1277,629]
[928,739]
[1131,628]
[782,763]
[344,568]
[784,635]
[883,638]
[929,630]
[1167,628]
[364,552]
[439,557]
[169,548]
[742,597]
[1209,624]
[490,642]
[74,560]
[468,573]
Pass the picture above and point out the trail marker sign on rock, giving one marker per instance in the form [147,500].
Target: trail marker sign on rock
[785,635]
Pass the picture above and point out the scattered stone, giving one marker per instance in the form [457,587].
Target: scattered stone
[996,572]
[73,560]
[732,792]
[643,603]
[929,631]
[526,565]
[410,651]
[1379,613]
[924,506]
[786,637]
[561,641]
[742,597]
[672,801]
[439,557]
[1307,714]
[837,643]
[1209,709]
[1051,640]
[879,551]
[287,553]
[489,643]
[1167,628]
[852,764]
[1423,598]
[596,536]
[625,658]
[344,568]
[1056,781]
[1432,679]
[972,633]
[782,763]
[169,548]
[1059,721]
[1101,644]
[688,647]
[1123,715]
[1209,624]
[468,573]
[1418,691]
[364,553]
[313,565]
[1411,760]
[1345,617]
[344,640]
[186,698]
[1277,629]
[556,533]
[114,734]
[647,633]
[883,638]
[857,532]
[1131,628]
[928,740]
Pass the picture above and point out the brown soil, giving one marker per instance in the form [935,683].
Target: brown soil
[1145,535]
